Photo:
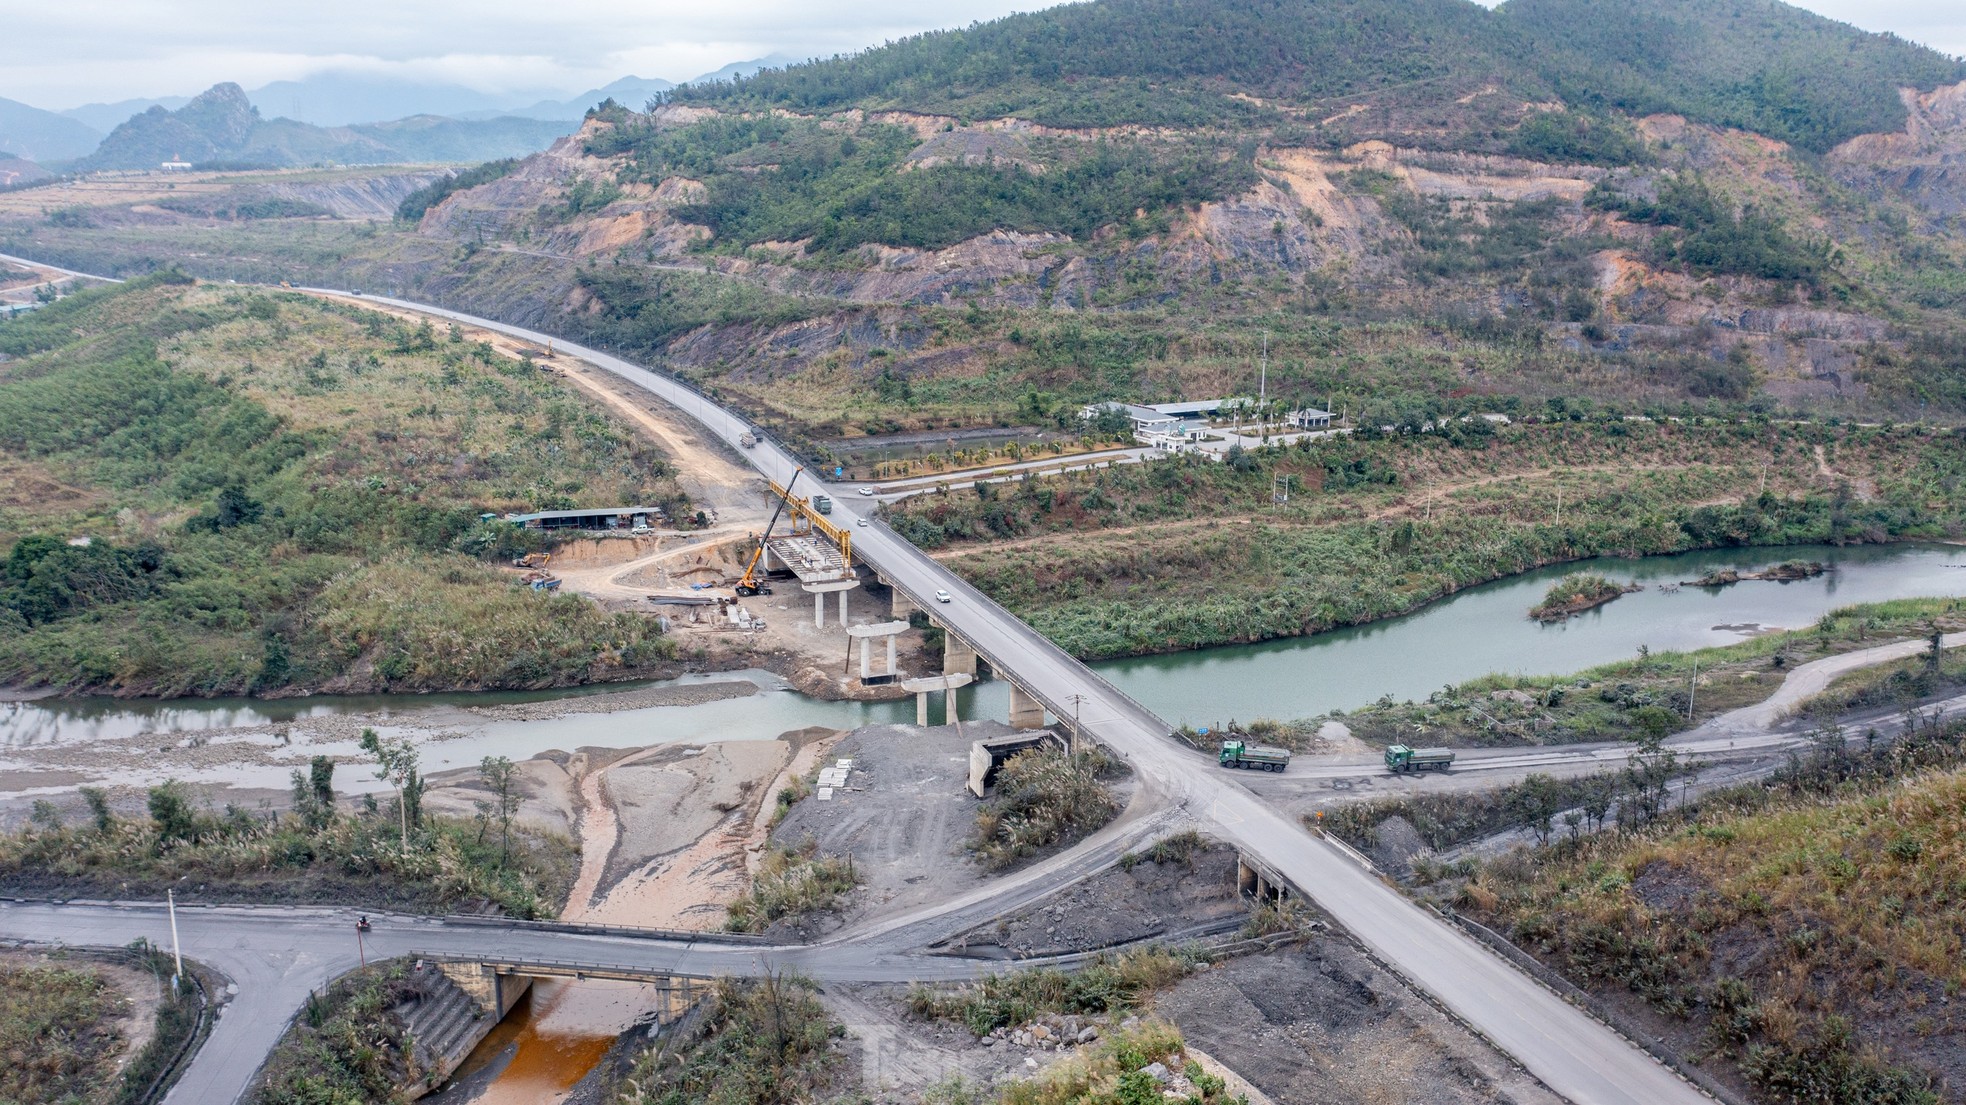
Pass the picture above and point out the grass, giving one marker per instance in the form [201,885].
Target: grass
[1113,1073]
[1897,684]
[762,1041]
[1041,798]
[255,855]
[1109,984]
[280,494]
[1808,931]
[1648,693]
[58,1033]
[347,1046]
[791,880]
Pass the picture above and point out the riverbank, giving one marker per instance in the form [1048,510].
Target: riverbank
[1177,555]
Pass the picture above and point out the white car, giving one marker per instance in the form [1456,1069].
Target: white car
[942,596]
[866,491]
[860,522]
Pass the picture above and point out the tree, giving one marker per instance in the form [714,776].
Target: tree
[98,802]
[500,776]
[170,808]
[314,800]
[396,762]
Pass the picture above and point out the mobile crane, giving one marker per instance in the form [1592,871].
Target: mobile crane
[751,584]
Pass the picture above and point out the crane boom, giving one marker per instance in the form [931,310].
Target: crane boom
[749,585]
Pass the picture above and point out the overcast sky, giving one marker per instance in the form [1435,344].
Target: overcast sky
[68,52]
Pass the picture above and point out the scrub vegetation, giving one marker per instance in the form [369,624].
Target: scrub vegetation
[212,491]
[349,1045]
[759,1042]
[386,855]
[1182,553]
[1802,934]
[1041,799]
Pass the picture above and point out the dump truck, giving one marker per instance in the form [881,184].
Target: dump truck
[823,504]
[1401,759]
[1253,757]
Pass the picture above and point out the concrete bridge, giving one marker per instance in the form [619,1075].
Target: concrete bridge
[1574,1054]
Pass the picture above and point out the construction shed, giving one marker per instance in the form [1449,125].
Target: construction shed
[599,518]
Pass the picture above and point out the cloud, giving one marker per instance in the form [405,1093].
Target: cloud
[75,51]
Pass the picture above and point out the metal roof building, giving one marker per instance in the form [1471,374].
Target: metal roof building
[599,517]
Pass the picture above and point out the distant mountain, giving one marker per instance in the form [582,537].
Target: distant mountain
[18,170]
[340,99]
[222,125]
[104,118]
[630,92]
[43,135]
[739,69]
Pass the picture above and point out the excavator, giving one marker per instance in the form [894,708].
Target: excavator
[752,582]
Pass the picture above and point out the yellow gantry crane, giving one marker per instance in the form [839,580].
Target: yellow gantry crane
[804,519]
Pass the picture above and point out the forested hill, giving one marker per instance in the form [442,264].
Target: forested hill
[1756,64]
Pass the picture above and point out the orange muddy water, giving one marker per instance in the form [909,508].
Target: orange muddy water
[554,1038]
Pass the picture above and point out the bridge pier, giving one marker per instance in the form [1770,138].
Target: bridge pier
[957,657]
[494,992]
[819,591]
[947,684]
[901,606]
[1255,880]
[1026,712]
[865,634]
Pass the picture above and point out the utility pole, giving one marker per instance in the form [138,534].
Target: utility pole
[1692,688]
[1263,388]
[177,950]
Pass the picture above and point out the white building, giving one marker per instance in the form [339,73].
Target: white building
[1147,421]
[1310,418]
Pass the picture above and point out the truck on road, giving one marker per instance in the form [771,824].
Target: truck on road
[748,439]
[1253,757]
[823,504]
[1401,759]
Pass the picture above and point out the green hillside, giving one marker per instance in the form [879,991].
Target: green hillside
[1757,64]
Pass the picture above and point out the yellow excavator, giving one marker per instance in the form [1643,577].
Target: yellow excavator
[752,583]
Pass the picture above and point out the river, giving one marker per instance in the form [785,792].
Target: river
[1480,630]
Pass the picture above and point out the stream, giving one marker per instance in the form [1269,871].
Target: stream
[1483,629]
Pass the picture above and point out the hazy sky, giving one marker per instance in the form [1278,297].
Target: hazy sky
[69,52]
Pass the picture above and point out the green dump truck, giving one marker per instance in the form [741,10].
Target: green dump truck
[1401,759]
[823,504]
[1254,757]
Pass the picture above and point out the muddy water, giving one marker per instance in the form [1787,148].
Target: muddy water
[549,1042]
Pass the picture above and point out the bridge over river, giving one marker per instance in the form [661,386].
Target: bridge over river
[270,953]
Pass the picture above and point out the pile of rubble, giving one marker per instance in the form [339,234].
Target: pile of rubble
[1051,1032]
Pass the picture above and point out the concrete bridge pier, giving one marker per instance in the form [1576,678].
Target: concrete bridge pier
[493,991]
[819,591]
[902,605]
[957,657]
[1026,712]
[865,635]
[947,684]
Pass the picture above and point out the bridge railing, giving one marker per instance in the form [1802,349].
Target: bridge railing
[569,968]
[673,936]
